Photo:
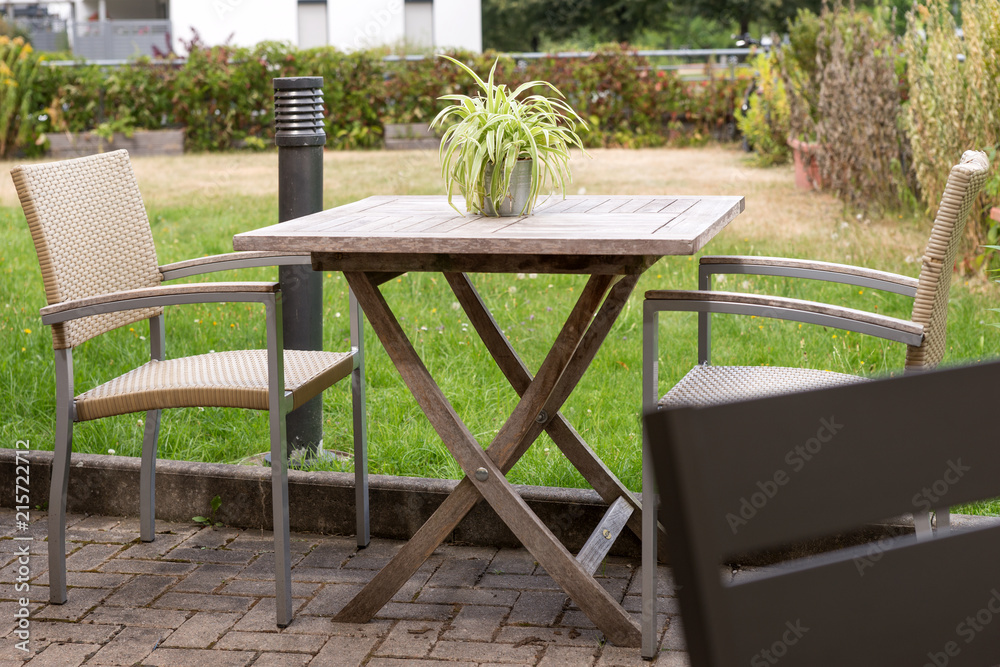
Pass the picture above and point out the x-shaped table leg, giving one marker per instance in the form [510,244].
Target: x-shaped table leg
[563,366]
[561,431]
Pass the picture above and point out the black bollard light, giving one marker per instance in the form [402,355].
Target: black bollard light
[299,135]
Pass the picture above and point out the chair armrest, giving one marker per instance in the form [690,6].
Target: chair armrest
[230,261]
[797,310]
[804,268]
[164,295]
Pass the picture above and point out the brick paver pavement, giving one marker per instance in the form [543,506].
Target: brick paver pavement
[201,596]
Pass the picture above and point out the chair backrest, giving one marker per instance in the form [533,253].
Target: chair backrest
[91,234]
[931,305]
[745,477]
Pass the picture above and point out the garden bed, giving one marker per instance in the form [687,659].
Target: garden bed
[410,136]
[142,143]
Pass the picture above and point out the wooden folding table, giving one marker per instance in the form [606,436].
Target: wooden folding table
[612,239]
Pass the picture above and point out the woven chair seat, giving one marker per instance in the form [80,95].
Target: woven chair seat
[711,385]
[220,379]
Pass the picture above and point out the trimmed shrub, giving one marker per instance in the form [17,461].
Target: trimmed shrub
[223,95]
[354,90]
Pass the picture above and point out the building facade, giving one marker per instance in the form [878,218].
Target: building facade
[125,28]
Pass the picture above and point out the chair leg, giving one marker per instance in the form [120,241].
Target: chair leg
[147,478]
[279,462]
[650,382]
[942,519]
[704,319]
[360,424]
[147,470]
[279,508]
[59,483]
[649,539]
[361,502]
[922,524]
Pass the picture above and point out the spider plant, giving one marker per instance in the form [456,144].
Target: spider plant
[495,129]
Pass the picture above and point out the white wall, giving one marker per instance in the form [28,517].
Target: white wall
[357,25]
[458,23]
[248,21]
[312,25]
[419,19]
[352,24]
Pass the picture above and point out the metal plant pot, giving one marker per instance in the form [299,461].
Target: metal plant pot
[515,202]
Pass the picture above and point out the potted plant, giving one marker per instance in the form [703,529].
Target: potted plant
[501,150]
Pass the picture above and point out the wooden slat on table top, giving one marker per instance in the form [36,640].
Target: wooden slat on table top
[584,224]
[655,206]
[583,205]
[607,206]
[551,204]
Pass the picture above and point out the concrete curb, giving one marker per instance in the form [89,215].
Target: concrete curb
[320,502]
[323,502]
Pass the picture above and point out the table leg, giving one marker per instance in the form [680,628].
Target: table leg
[561,431]
[444,520]
[558,562]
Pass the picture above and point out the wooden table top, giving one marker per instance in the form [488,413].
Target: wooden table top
[577,225]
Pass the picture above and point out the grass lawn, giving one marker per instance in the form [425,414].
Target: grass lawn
[196,203]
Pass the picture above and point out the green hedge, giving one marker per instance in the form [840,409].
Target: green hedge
[222,96]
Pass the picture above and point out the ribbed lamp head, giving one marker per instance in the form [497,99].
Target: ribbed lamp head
[298,111]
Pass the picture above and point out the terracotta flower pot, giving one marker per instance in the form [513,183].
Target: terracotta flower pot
[806,166]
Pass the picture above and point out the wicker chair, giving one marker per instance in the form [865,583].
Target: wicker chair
[924,334]
[100,271]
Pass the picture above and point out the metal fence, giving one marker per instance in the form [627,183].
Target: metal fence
[646,53]
[689,63]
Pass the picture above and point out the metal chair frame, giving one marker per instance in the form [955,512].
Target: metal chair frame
[858,605]
[920,334]
[49,212]
[650,376]
[279,406]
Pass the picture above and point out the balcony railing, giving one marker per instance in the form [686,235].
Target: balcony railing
[47,33]
[114,40]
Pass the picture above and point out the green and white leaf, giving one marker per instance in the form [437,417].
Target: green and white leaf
[497,128]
